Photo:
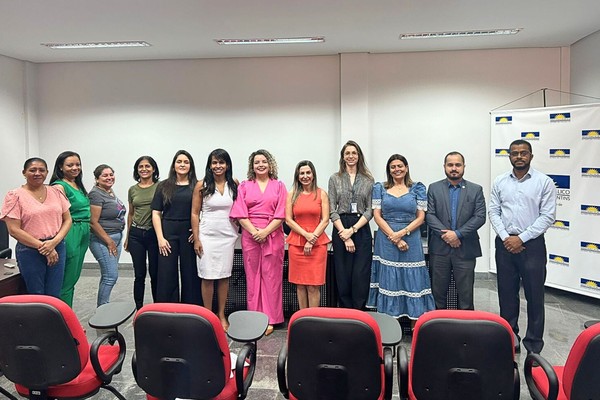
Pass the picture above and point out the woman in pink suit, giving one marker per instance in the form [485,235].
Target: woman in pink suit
[260,210]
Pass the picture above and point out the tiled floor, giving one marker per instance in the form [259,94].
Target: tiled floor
[565,315]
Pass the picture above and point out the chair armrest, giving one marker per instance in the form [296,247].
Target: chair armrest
[248,351]
[388,371]
[111,338]
[5,253]
[111,315]
[402,360]
[548,371]
[281,380]
[247,326]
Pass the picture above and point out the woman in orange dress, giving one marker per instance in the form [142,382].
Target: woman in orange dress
[307,215]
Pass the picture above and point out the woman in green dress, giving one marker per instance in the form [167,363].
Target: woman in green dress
[67,176]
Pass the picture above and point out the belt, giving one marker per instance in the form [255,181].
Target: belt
[144,228]
[350,215]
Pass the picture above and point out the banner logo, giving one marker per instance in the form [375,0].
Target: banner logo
[502,152]
[590,134]
[563,186]
[560,153]
[590,209]
[530,135]
[556,259]
[589,246]
[507,119]
[593,172]
[560,224]
[560,117]
[589,284]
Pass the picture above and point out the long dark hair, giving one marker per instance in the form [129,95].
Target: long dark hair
[390,180]
[169,185]
[155,174]
[361,166]
[297,187]
[58,173]
[209,180]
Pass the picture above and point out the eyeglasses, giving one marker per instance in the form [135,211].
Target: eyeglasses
[522,153]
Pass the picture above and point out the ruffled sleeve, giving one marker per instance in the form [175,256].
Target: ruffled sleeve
[281,199]
[11,207]
[65,204]
[421,195]
[377,196]
[239,210]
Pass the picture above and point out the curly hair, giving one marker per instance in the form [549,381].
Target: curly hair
[270,160]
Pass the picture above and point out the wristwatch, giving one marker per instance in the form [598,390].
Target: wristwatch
[407,231]
[354,230]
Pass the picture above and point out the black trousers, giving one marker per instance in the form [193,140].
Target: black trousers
[528,267]
[183,258]
[442,267]
[142,246]
[353,270]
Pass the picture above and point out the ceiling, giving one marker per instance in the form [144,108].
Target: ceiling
[180,29]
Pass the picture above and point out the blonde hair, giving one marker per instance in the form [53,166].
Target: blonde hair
[270,160]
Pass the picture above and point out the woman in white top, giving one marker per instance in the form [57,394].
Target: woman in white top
[214,232]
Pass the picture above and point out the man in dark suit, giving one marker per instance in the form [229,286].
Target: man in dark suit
[455,211]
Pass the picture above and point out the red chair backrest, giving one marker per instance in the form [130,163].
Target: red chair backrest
[334,353]
[181,351]
[581,374]
[42,341]
[461,354]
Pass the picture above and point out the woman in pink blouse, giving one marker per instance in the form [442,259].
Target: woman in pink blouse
[38,217]
[260,210]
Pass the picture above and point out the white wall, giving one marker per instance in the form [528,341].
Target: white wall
[114,112]
[585,69]
[13,130]
[421,105]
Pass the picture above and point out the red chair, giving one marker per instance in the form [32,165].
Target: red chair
[181,351]
[578,379]
[458,354]
[334,353]
[44,350]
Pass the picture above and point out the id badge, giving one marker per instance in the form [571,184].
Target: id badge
[353,208]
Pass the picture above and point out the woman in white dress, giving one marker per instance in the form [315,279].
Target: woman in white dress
[214,233]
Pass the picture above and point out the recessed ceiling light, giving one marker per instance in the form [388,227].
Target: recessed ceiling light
[480,32]
[95,45]
[313,39]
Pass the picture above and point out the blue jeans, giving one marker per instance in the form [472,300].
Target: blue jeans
[109,265]
[39,277]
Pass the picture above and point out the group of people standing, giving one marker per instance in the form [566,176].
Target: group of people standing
[184,230]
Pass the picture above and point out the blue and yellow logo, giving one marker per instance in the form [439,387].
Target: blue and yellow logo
[560,153]
[590,134]
[505,119]
[556,259]
[502,152]
[560,117]
[589,284]
[590,172]
[530,135]
[589,246]
[590,209]
[561,224]
[561,181]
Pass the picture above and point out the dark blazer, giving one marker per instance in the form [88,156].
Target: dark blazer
[469,218]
